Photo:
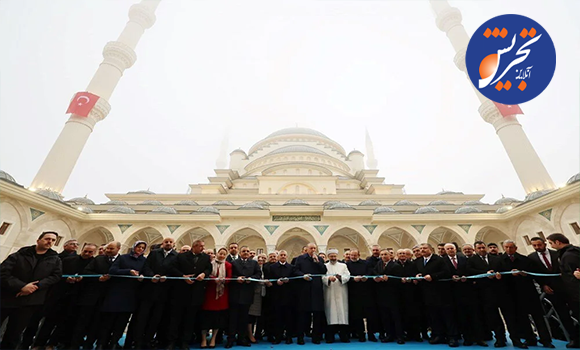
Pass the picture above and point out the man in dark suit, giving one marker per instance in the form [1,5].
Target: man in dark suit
[464,298]
[187,295]
[282,294]
[410,305]
[569,258]
[372,312]
[522,293]
[359,294]
[311,299]
[546,262]
[91,295]
[234,252]
[437,296]
[154,292]
[241,296]
[390,290]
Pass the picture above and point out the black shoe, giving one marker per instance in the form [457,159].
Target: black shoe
[300,341]
[288,340]
[437,340]
[574,344]
[453,343]
[467,343]
[328,341]
[548,344]
[372,337]
[400,341]
[317,341]
[277,341]
[518,344]
[363,339]
[531,342]
[500,343]
[481,343]
[345,340]
[229,344]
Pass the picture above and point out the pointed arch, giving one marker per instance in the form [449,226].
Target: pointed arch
[346,238]
[489,234]
[444,234]
[248,236]
[148,234]
[193,234]
[293,239]
[97,235]
[396,238]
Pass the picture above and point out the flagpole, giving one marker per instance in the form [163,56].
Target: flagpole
[526,162]
[118,56]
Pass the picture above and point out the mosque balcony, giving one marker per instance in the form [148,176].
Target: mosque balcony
[224,181]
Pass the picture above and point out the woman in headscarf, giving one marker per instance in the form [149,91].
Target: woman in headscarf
[215,306]
[256,307]
[122,296]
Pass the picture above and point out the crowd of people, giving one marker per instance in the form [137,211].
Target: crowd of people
[170,299]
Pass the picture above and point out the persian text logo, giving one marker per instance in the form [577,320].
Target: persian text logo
[510,59]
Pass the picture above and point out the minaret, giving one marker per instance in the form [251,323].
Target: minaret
[532,173]
[118,56]
[372,162]
[222,161]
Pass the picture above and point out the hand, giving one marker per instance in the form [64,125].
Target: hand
[498,275]
[188,279]
[29,288]
[577,274]
[403,280]
[332,279]
[104,278]
[428,278]
[134,273]
[308,277]
[315,258]
[155,279]
[279,282]
[162,279]
[241,279]
[463,279]
[200,277]
[364,279]
[78,279]
[357,278]
[415,281]
[385,278]
[247,279]
[140,279]
[378,279]
[339,277]
[491,272]
[268,284]
[548,290]
[285,280]
[455,278]
[515,272]
[70,280]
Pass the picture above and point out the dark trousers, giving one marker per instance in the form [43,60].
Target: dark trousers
[470,325]
[147,321]
[32,328]
[391,321]
[283,320]
[55,315]
[112,326]
[182,324]
[304,319]
[18,319]
[332,329]
[512,316]
[411,319]
[563,310]
[357,325]
[86,325]
[238,323]
[442,322]
[491,317]
[534,309]
[373,317]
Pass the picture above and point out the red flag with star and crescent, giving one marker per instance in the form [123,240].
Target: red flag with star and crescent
[82,103]
[506,110]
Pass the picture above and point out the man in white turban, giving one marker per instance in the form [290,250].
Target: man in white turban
[336,298]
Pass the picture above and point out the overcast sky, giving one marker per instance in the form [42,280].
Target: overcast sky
[260,66]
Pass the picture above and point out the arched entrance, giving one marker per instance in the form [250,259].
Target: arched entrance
[193,235]
[395,238]
[347,239]
[293,240]
[249,237]
[444,235]
[491,235]
[97,235]
[148,234]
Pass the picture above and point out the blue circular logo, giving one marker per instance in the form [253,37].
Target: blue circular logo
[510,59]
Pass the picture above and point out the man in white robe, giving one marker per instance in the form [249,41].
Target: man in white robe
[336,298]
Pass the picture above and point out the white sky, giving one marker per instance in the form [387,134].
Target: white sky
[260,66]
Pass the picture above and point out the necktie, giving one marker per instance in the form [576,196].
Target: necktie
[546,261]
[512,258]
[484,258]
[425,261]
[195,257]
[243,261]
[111,259]
[454,262]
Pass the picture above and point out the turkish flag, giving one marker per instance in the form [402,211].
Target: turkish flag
[507,110]
[82,103]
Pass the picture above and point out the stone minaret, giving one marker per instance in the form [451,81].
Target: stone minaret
[118,56]
[530,169]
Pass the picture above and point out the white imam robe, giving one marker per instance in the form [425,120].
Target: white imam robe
[336,294]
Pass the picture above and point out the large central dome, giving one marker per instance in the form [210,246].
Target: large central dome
[297,131]
[298,136]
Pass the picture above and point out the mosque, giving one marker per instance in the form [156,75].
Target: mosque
[293,187]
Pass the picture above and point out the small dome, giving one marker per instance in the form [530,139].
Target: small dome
[5,176]
[504,209]
[355,151]
[329,203]
[297,149]
[223,203]
[447,192]
[426,210]
[81,201]
[474,203]
[238,150]
[405,202]
[570,181]
[368,202]
[468,210]
[163,210]
[121,210]
[187,202]
[85,210]
[206,210]
[440,203]
[340,206]
[120,203]
[536,195]
[262,203]
[384,210]
[296,202]
[251,206]
[506,200]
[141,192]
[151,202]
[50,194]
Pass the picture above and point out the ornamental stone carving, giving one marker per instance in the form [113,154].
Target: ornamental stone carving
[98,113]
[142,15]
[448,19]
[489,112]
[459,59]
[119,55]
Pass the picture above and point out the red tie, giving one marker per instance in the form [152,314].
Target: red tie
[512,258]
[546,261]
[454,262]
